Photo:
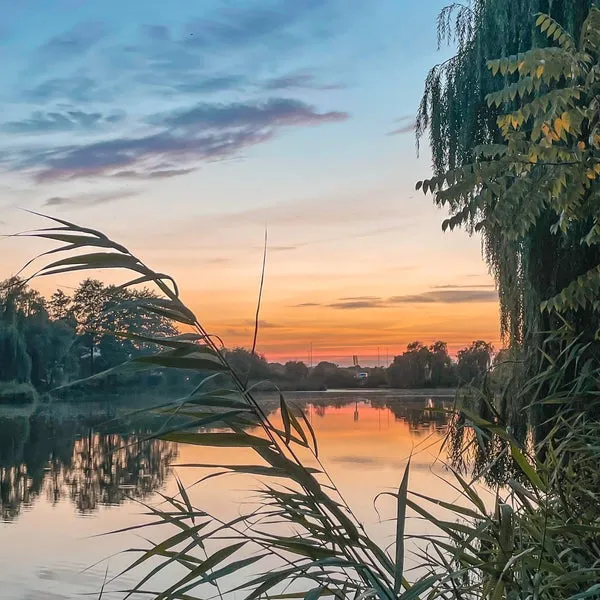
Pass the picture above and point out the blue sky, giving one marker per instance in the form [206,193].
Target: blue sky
[185,128]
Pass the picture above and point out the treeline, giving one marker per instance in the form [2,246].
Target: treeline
[46,342]
[419,366]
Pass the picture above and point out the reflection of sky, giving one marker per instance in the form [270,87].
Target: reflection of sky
[200,123]
[44,550]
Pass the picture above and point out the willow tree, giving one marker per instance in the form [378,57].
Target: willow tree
[516,153]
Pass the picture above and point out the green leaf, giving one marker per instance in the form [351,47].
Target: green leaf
[196,361]
[400,523]
[527,469]
[226,440]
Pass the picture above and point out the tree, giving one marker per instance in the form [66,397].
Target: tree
[247,365]
[100,311]
[88,303]
[442,370]
[517,158]
[15,364]
[474,361]
[295,370]
[330,375]
[59,306]
[411,369]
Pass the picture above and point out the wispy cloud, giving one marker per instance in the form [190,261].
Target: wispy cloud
[82,200]
[160,173]
[70,44]
[278,248]
[262,324]
[276,112]
[357,304]
[299,81]
[77,88]
[464,287]
[205,132]
[447,297]
[454,296]
[247,25]
[408,128]
[52,122]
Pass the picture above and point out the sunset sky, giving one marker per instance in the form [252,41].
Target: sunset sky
[184,128]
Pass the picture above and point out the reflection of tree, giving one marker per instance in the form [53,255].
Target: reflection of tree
[47,454]
[320,409]
[106,469]
[420,415]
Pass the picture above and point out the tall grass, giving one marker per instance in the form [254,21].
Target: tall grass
[300,539]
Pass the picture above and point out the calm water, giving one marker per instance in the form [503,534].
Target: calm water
[69,473]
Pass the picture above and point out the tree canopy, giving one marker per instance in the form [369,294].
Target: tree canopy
[526,175]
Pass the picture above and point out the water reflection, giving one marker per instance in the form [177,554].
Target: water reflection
[422,414]
[60,456]
[90,458]
[52,469]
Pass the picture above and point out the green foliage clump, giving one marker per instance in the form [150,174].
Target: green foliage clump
[15,363]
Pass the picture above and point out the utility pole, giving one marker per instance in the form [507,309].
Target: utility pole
[310,356]
[378,358]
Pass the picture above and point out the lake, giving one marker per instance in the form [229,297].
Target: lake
[71,472]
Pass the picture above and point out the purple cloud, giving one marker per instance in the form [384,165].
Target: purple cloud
[276,112]
[300,81]
[206,132]
[144,154]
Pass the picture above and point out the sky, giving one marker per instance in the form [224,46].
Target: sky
[185,129]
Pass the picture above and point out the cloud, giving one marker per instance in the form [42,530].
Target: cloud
[70,44]
[262,324]
[408,128]
[206,132]
[90,199]
[464,287]
[357,304]
[447,297]
[156,33]
[298,81]
[76,88]
[360,298]
[51,122]
[206,85]
[249,25]
[217,260]
[306,304]
[275,112]
[158,174]
[358,209]
[279,248]
[455,296]
[144,154]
